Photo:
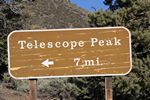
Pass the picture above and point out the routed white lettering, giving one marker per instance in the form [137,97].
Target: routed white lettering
[73,44]
[117,41]
[29,45]
[42,45]
[34,44]
[81,44]
[93,41]
[21,42]
[57,44]
[50,45]
[65,44]
[101,43]
[35,41]
[77,60]
[109,43]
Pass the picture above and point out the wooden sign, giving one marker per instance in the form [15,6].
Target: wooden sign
[69,52]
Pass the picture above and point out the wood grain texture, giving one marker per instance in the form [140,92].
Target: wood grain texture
[26,63]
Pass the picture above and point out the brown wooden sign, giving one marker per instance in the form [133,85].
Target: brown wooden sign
[69,52]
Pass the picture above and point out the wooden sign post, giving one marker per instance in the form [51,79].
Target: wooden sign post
[108,88]
[33,89]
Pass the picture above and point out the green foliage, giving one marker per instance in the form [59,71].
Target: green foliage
[134,86]
[20,85]
[58,88]
[53,88]
[136,17]
[116,4]
[90,88]
[141,43]
[10,19]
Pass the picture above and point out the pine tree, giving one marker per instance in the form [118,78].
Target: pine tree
[10,19]
[135,15]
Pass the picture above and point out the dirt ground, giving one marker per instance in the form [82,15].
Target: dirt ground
[8,94]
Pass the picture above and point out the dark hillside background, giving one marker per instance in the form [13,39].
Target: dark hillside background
[54,14]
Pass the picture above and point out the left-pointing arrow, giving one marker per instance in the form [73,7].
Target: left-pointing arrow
[47,63]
